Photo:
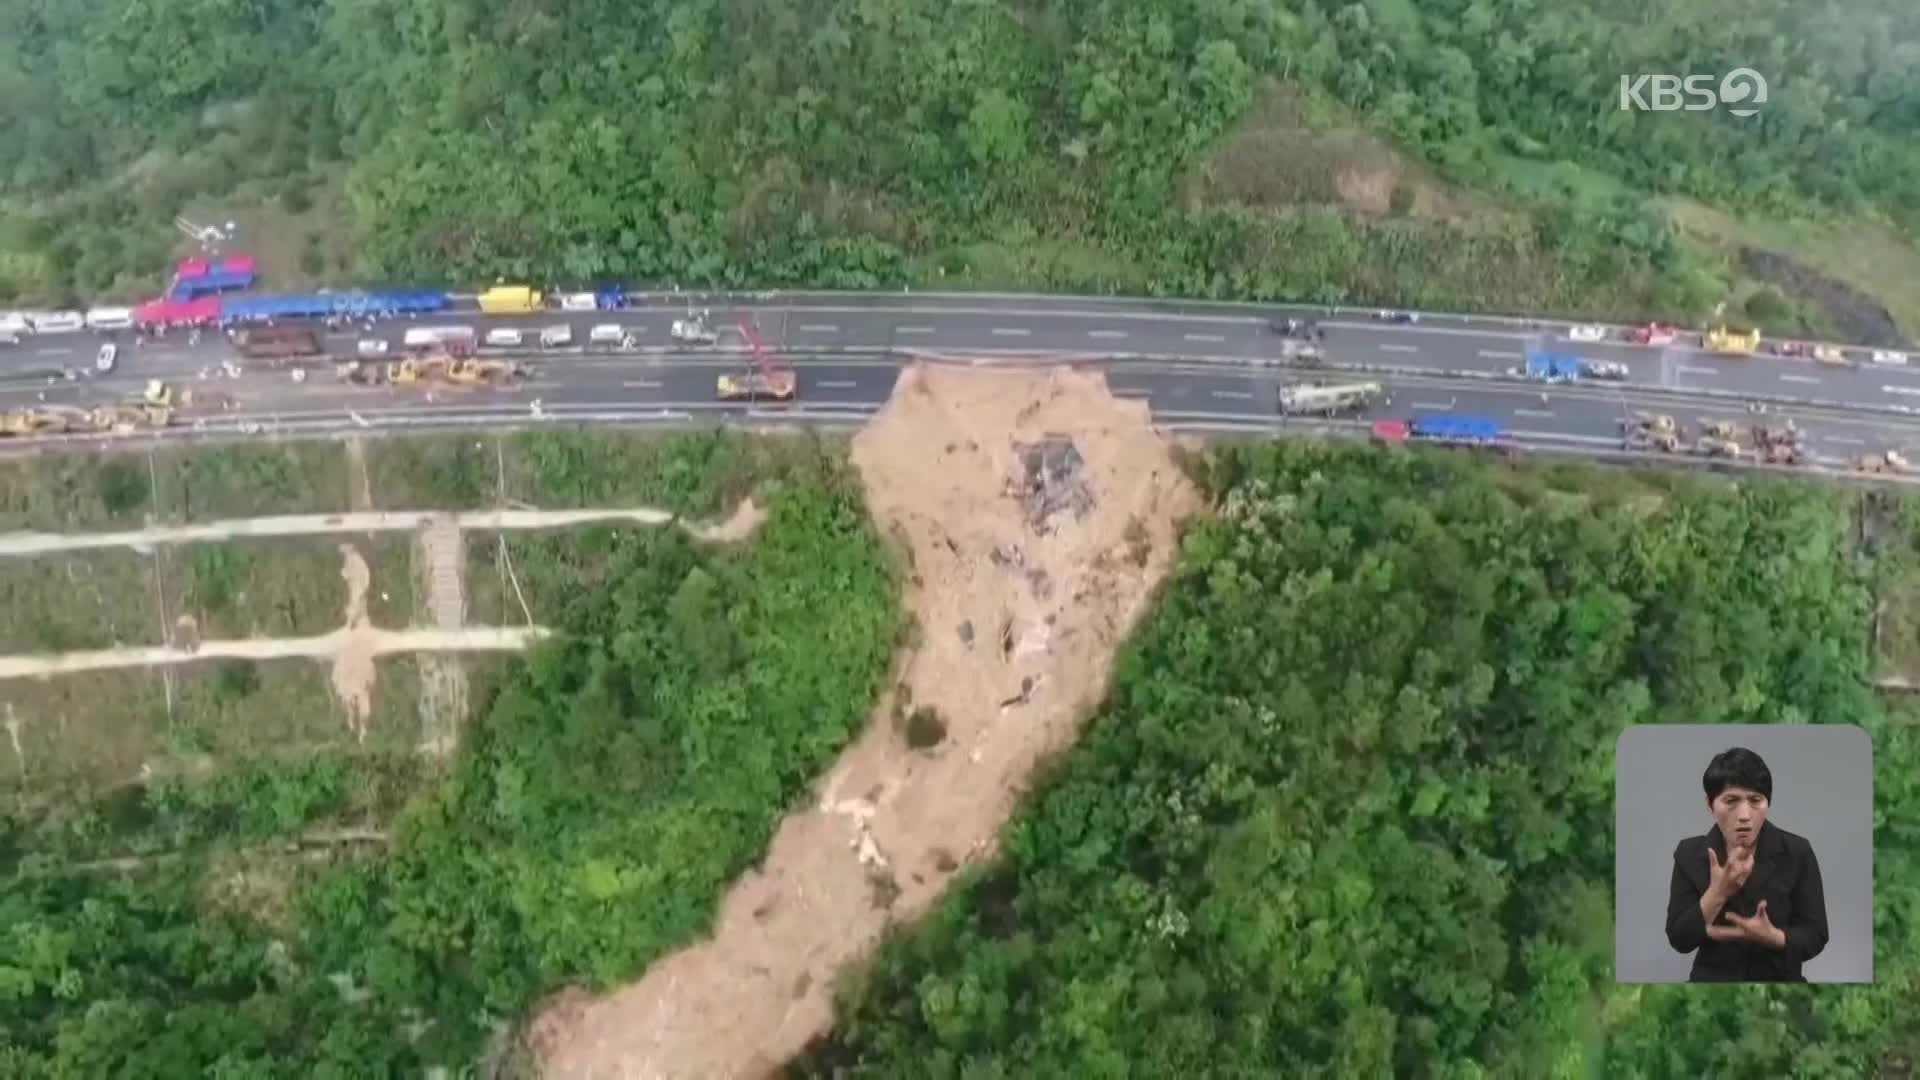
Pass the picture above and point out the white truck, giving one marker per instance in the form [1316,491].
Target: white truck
[56,322]
[610,335]
[556,337]
[503,337]
[578,301]
[694,330]
[1307,398]
[110,318]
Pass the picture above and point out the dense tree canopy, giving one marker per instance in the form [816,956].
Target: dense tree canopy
[1349,810]
[855,143]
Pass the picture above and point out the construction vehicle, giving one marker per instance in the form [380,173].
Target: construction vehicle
[1308,398]
[778,384]
[511,300]
[479,372]
[1732,340]
[1656,431]
[1779,445]
[277,342]
[1827,354]
[1301,352]
[1890,462]
[1719,429]
[1708,446]
[694,329]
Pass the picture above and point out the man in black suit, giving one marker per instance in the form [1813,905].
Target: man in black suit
[1748,893]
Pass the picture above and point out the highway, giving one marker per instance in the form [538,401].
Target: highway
[1196,364]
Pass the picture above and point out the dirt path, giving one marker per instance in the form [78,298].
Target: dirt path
[376,642]
[443,678]
[32,543]
[1019,624]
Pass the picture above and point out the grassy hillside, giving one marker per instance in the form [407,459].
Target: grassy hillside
[1349,808]
[1068,144]
[285,906]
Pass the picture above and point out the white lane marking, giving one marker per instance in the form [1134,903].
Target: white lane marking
[1544,414]
[1558,436]
[641,384]
[1800,379]
[836,384]
[1238,395]
[1846,440]
[819,328]
[1687,369]
[1910,391]
[1205,337]
[1399,348]
[1432,406]
[1499,354]
[1107,333]
[53,352]
[1011,331]
[914,329]
[1132,392]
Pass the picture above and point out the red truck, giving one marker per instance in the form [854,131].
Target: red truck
[277,343]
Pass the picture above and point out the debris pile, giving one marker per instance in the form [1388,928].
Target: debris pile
[1050,481]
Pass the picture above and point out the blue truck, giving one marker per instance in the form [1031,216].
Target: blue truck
[1449,428]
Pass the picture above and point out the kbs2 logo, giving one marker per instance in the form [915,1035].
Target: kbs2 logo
[1741,92]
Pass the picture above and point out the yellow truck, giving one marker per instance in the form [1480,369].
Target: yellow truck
[511,300]
[1737,340]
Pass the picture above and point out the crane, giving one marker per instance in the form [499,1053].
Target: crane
[776,383]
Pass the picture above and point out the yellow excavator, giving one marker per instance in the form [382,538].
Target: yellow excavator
[437,367]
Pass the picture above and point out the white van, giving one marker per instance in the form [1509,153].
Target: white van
[554,337]
[426,337]
[57,322]
[607,334]
[579,301]
[110,318]
[504,337]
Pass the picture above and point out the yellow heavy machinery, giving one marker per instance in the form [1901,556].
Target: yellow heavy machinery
[768,382]
[1648,430]
[470,372]
[1732,340]
[45,420]
[435,368]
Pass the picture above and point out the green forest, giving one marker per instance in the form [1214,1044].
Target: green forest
[622,777]
[1066,145]
[1349,808]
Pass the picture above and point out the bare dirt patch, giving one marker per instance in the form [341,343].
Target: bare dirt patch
[745,518]
[1038,512]
[1293,149]
[353,663]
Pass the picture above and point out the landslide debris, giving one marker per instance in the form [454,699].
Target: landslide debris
[1020,498]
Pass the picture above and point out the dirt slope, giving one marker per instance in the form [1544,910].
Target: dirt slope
[1005,607]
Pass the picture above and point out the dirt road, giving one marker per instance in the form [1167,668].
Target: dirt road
[324,647]
[33,543]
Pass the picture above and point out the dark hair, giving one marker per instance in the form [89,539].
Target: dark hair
[1738,767]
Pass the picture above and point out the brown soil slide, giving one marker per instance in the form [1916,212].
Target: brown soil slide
[1039,512]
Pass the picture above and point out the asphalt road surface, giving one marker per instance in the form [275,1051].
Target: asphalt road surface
[1195,363]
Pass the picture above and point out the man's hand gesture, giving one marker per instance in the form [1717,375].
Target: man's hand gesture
[1759,929]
